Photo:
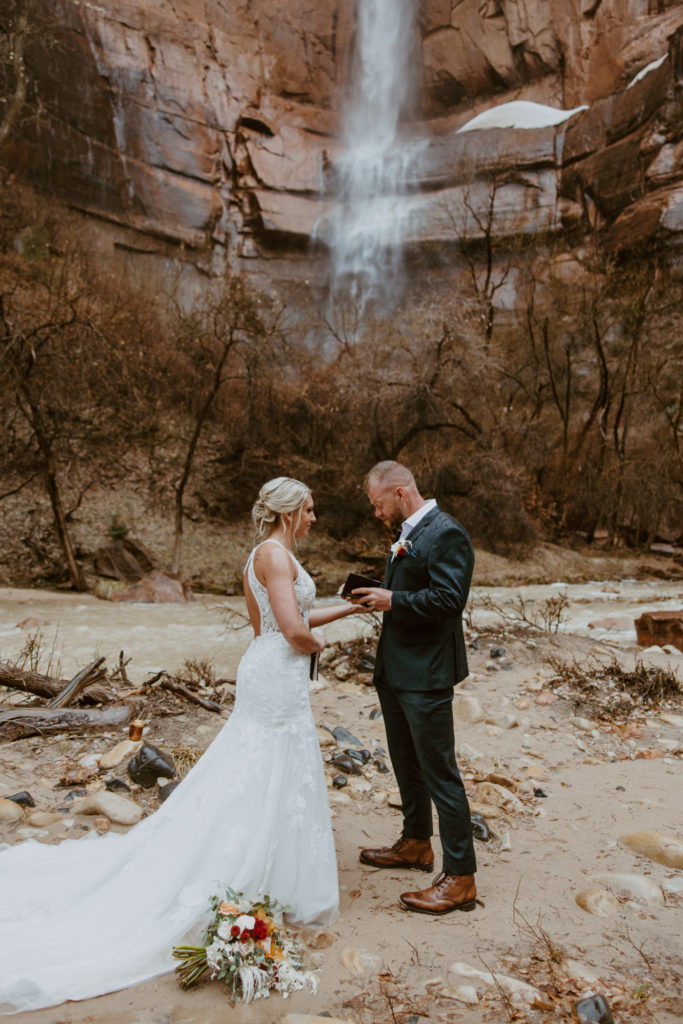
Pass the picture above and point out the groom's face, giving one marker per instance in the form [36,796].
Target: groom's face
[388,506]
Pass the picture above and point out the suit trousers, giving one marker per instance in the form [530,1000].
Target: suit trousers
[421,740]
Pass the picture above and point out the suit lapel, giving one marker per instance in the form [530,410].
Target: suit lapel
[412,537]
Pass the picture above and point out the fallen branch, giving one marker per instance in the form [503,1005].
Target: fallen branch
[17,723]
[209,705]
[46,686]
[79,682]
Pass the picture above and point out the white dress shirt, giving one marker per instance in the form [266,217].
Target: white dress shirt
[412,521]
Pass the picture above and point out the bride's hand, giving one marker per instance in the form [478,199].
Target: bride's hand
[320,637]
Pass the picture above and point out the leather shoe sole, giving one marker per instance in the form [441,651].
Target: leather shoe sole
[401,864]
[466,906]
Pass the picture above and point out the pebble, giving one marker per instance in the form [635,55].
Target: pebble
[534,685]
[505,843]
[24,798]
[9,810]
[102,825]
[598,902]
[497,652]
[41,819]
[633,887]
[360,785]
[343,735]
[326,739]
[380,765]
[467,709]
[545,697]
[499,796]
[375,714]
[118,809]
[463,993]
[346,763]
[316,937]
[480,828]
[513,986]
[357,961]
[362,755]
[493,730]
[114,757]
[503,720]
[150,764]
[339,781]
[166,789]
[663,849]
[523,704]
[394,798]
[339,798]
[582,723]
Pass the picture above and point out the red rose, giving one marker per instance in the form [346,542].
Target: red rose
[260,930]
[246,935]
[234,931]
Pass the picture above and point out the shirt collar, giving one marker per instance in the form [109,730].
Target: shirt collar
[412,521]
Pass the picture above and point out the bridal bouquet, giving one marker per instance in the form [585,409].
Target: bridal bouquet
[247,949]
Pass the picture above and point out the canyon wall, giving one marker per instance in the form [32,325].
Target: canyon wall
[214,124]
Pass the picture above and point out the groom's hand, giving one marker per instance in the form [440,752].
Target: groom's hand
[375,599]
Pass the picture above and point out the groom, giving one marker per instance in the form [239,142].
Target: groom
[420,657]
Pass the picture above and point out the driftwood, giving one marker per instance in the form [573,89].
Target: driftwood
[15,723]
[183,691]
[47,686]
[79,682]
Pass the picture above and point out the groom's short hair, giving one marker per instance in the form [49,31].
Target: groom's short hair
[389,473]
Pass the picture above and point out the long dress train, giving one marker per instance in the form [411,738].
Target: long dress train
[97,914]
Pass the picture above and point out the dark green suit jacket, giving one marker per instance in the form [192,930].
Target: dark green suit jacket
[422,646]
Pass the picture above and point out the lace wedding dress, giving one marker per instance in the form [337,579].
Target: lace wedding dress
[101,913]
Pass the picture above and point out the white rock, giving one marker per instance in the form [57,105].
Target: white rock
[9,811]
[582,723]
[663,849]
[326,739]
[584,972]
[633,887]
[41,819]
[89,760]
[513,986]
[117,808]
[672,719]
[598,902]
[673,884]
[122,750]
[505,843]
[357,961]
[503,720]
[463,993]
[499,796]
[360,785]
[467,709]
[395,798]
[335,797]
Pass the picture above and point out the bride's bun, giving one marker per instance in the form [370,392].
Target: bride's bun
[278,496]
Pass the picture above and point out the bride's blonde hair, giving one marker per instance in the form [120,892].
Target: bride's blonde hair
[278,497]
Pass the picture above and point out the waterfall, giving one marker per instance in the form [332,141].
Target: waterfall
[377,163]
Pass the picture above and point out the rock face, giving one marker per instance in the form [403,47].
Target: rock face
[216,125]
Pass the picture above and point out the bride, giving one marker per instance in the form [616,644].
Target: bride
[101,913]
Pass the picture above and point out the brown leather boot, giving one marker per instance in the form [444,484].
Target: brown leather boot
[405,853]
[446,893]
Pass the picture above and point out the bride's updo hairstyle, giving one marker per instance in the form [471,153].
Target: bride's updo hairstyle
[278,497]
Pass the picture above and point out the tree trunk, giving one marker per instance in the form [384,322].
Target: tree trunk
[46,686]
[17,723]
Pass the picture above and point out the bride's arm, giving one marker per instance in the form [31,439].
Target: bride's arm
[274,569]
[321,616]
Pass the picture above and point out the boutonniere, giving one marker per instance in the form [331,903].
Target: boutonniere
[401,548]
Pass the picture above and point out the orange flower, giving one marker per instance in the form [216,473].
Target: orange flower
[261,915]
[228,908]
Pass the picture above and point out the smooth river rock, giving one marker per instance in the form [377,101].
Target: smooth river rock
[10,811]
[598,902]
[661,848]
[633,887]
[118,809]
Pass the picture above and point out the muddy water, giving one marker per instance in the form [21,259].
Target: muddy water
[73,629]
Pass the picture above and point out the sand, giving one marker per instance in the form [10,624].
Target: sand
[597,784]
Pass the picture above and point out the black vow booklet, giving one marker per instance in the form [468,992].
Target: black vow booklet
[355,580]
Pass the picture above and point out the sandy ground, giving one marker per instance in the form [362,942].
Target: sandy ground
[579,788]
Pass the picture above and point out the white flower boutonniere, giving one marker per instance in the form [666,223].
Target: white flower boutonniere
[401,548]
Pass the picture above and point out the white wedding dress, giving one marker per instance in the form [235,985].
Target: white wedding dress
[101,913]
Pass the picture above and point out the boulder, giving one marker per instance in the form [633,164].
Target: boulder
[660,628]
[156,588]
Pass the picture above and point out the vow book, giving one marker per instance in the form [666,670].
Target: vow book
[355,580]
